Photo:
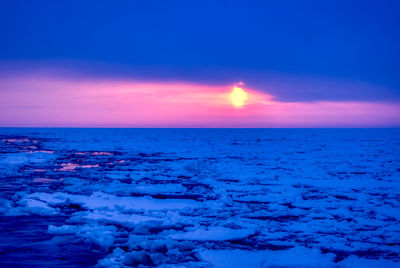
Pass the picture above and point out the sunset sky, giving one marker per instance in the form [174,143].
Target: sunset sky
[200,63]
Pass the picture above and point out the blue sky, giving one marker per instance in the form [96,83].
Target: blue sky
[215,42]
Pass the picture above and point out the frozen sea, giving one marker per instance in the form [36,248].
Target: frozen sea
[199,197]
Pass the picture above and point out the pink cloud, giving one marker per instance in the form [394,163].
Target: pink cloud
[59,101]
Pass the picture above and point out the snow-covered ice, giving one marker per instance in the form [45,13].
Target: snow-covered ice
[200,197]
[214,233]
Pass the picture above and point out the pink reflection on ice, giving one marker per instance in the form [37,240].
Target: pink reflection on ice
[39,170]
[71,167]
[46,180]
[95,153]
[45,151]
[15,140]
[101,153]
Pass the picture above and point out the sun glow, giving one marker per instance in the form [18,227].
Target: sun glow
[238,96]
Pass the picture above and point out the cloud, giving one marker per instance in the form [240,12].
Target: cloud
[50,100]
[287,87]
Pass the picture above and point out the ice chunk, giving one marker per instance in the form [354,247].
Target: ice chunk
[102,236]
[214,233]
[113,217]
[101,200]
[38,207]
[136,258]
[354,261]
[295,257]
[113,260]
[26,158]
[73,167]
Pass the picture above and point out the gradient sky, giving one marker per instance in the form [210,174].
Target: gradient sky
[174,63]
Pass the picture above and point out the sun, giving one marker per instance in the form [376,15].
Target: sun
[238,96]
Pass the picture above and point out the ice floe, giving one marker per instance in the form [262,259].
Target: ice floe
[205,198]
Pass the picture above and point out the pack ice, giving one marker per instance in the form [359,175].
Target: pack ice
[200,197]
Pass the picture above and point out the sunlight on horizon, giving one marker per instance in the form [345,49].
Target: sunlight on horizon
[238,97]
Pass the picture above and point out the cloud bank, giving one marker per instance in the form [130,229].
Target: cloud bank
[50,100]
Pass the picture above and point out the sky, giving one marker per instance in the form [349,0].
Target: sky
[177,63]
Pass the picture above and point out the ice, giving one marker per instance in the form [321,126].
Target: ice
[214,233]
[100,200]
[45,180]
[37,207]
[114,260]
[136,258]
[73,167]
[202,198]
[102,236]
[354,261]
[296,257]
[25,158]
[114,217]
[15,140]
